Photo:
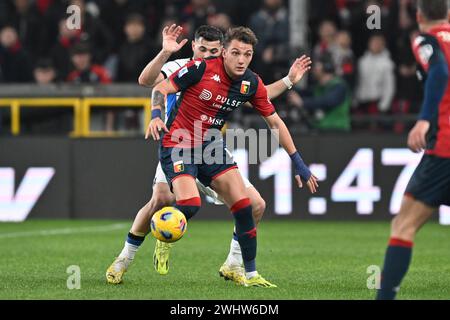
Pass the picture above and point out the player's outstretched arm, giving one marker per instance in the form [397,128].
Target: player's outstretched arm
[151,75]
[296,73]
[301,170]
[159,94]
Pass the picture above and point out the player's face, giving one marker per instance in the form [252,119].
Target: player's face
[204,49]
[237,58]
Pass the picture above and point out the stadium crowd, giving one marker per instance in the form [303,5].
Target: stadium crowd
[369,74]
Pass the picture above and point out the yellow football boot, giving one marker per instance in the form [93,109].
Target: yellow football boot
[116,270]
[258,281]
[161,257]
[233,273]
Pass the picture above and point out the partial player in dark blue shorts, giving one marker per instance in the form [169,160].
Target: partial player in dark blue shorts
[204,163]
[430,182]
[429,187]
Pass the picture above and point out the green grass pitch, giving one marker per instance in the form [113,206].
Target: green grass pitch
[307,260]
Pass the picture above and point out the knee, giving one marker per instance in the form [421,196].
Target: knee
[258,208]
[160,200]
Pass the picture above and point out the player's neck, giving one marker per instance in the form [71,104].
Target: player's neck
[427,26]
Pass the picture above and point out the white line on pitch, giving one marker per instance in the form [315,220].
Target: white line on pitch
[55,232]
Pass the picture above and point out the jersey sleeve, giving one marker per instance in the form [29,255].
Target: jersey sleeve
[427,51]
[172,66]
[434,64]
[189,75]
[261,101]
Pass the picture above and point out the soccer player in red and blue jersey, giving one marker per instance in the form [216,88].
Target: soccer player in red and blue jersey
[208,42]
[429,186]
[210,90]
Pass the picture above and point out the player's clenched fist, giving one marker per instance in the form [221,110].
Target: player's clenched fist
[154,128]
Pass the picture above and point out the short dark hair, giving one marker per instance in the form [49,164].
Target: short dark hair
[135,18]
[44,63]
[82,47]
[434,9]
[209,33]
[242,34]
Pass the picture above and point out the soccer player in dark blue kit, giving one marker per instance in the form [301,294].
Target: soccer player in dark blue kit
[429,186]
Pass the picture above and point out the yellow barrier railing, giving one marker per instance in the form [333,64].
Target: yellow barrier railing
[82,108]
[89,103]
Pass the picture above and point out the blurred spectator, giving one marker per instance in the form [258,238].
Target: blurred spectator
[221,21]
[113,13]
[376,80]
[44,72]
[358,27]
[344,58]
[135,53]
[271,26]
[85,71]
[94,31]
[327,40]
[36,24]
[238,11]
[320,11]
[329,105]
[402,21]
[15,63]
[195,14]
[60,53]
[409,93]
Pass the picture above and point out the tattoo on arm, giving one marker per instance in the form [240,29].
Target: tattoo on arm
[158,98]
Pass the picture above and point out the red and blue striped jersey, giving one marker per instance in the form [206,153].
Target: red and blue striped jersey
[208,97]
[431,49]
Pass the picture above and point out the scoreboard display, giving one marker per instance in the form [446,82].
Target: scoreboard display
[361,177]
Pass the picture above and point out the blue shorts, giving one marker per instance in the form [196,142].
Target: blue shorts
[205,163]
[430,182]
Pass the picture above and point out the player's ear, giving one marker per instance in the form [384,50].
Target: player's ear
[193,45]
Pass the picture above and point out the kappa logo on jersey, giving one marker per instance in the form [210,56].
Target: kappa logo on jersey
[206,95]
[178,166]
[245,87]
[216,78]
[182,72]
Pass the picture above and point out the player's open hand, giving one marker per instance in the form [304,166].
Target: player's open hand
[154,128]
[417,137]
[170,36]
[299,68]
[312,183]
